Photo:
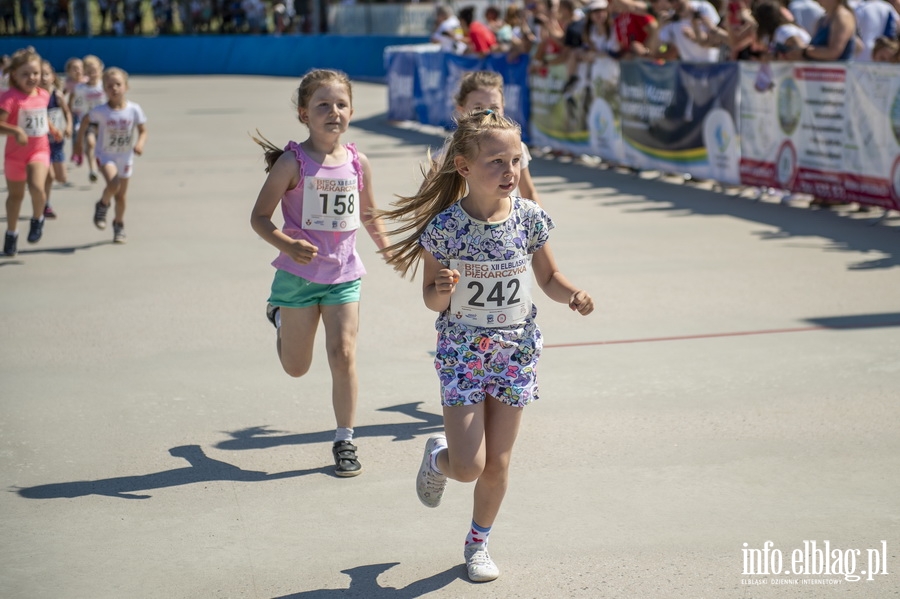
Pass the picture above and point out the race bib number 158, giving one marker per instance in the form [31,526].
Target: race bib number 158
[330,204]
[492,294]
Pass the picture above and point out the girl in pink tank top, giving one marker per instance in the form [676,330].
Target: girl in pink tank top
[325,191]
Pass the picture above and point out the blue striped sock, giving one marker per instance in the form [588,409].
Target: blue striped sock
[477,534]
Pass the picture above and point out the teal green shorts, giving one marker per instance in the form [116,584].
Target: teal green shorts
[291,291]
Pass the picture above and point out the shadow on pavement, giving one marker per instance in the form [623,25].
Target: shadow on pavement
[261,437]
[202,469]
[364,584]
[205,469]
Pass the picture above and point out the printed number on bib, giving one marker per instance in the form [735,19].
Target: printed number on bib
[34,121]
[117,141]
[330,204]
[492,294]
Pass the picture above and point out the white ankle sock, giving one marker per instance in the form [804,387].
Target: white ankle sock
[341,433]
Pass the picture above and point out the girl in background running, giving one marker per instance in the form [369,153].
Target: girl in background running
[84,98]
[61,121]
[324,187]
[479,249]
[483,90]
[23,119]
[121,133]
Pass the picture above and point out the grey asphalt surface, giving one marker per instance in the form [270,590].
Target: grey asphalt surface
[738,383]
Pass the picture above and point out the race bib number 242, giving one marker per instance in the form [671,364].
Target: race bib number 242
[492,294]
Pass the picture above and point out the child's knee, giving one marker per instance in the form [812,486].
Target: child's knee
[468,472]
[294,369]
[342,355]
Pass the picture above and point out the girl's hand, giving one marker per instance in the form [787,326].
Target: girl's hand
[56,133]
[582,302]
[21,137]
[139,150]
[302,252]
[445,281]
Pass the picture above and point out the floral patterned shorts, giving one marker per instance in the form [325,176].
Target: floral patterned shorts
[471,368]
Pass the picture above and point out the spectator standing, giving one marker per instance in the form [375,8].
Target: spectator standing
[479,40]
[549,35]
[255,13]
[834,37]
[806,13]
[874,19]
[523,37]
[8,17]
[886,50]
[80,23]
[27,12]
[687,27]
[781,36]
[501,29]
[448,32]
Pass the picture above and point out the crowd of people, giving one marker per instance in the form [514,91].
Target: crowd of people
[140,17]
[571,31]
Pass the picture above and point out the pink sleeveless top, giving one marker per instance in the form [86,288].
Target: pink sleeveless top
[337,260]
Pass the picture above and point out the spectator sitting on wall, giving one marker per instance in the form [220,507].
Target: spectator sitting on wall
[447,30]
[571,19]
[480,40]
[635,30]
[874,19]
[688,31]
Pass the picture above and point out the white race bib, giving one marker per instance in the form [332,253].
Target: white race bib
[330,204]
[34,121]
[117,141]
[492,294]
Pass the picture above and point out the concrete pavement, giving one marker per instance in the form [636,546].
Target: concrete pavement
[739,383]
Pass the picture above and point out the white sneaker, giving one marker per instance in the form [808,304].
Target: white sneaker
[430,484]
[479,564]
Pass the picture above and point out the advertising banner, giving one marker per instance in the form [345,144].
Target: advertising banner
[829,130]
[423,82]
[680,117]
[872,151]
[559,115]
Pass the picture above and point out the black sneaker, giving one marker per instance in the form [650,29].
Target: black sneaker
[119,232]
[48,211]
[10,243]
[36,230]
[93,177]
[100,214]
[345,462]
[271,311]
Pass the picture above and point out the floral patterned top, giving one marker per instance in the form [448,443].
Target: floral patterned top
[453,234]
